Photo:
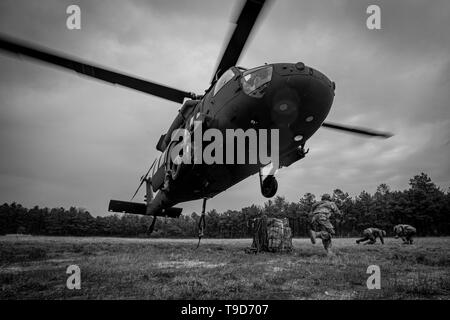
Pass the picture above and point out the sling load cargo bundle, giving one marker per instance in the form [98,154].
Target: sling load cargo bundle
[271,235]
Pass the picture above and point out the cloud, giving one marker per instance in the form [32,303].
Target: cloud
[67,140]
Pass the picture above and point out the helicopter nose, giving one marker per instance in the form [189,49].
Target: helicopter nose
[302,100]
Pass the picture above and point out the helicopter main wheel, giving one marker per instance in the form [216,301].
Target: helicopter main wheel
[269,187]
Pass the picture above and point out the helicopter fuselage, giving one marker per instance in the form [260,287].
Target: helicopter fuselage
[295,101]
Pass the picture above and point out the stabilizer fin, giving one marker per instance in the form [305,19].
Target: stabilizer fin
[141,208]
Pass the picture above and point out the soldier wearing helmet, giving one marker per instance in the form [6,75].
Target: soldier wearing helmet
[321,226]
[372,234]
[406,232]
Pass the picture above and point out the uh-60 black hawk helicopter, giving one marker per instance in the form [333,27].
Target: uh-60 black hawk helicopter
[291,97]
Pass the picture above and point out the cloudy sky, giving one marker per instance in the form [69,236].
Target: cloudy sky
[67,140]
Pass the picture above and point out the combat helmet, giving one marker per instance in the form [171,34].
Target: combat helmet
[326,197]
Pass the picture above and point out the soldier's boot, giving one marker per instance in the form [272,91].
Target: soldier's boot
[326,241]
[312,236]
[327,246]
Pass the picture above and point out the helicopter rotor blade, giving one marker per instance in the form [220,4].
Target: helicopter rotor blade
[21,48]
[143,179]
[244,25]
[357,130]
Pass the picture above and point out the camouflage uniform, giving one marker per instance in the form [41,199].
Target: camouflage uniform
[321,226]
[406,232]
[372,234]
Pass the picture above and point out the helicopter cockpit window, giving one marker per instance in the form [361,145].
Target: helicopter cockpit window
[227,76]
[254,81]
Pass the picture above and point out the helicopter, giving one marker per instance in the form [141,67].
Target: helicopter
[292,98]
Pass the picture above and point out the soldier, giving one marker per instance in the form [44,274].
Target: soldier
[406,232]
[372,234]
[321,226]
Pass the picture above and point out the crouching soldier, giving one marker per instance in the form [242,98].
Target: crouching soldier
[406,232]
[321,226]
[372,234]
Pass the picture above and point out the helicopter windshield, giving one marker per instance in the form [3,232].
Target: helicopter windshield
[227,76]
[255,80]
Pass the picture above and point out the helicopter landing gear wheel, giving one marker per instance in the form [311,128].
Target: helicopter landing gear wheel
[269,186]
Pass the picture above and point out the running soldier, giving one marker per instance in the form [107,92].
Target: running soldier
[372,234]
[406,232]
[321,226]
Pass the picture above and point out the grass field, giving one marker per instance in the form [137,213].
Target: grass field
[112,268]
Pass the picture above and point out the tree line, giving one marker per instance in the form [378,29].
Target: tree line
[423,205]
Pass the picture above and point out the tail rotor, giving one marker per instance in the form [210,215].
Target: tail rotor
[142,180]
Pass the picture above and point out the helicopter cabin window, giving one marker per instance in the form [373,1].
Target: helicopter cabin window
[223,80]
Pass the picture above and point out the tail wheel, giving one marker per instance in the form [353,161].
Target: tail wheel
[269,187]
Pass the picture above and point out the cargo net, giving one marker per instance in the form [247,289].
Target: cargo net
[271,235]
